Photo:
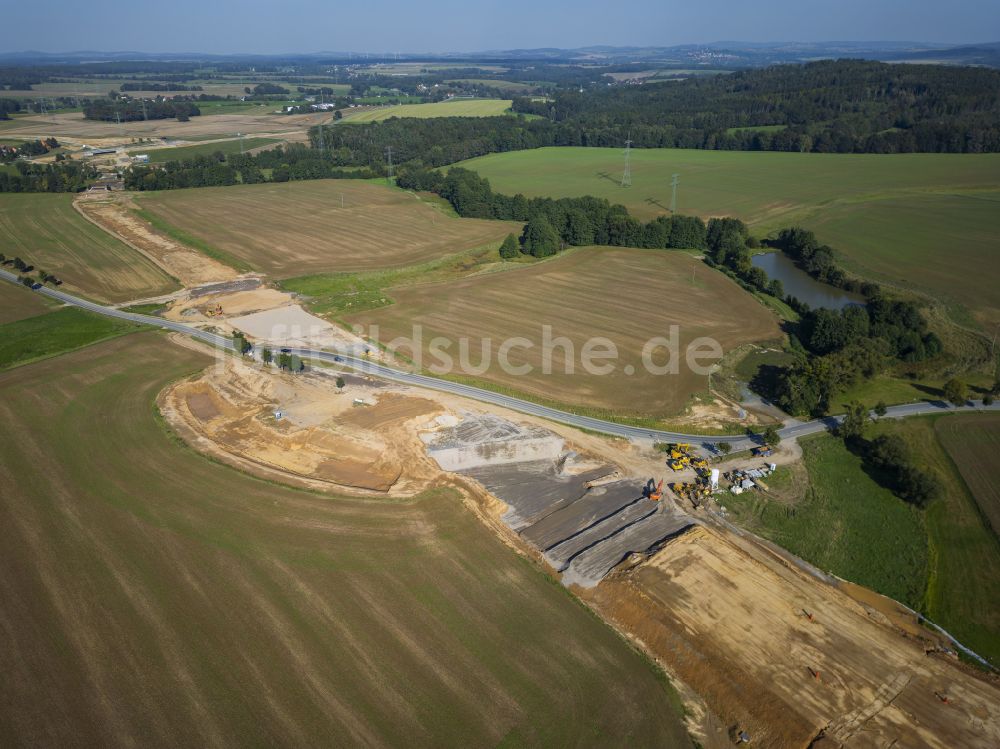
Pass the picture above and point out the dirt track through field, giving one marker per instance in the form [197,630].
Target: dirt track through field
[111,212]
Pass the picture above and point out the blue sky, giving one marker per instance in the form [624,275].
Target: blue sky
[227,26]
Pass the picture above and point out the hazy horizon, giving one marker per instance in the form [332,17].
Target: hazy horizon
[447,26]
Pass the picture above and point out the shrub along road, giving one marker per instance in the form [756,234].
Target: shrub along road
[798,429]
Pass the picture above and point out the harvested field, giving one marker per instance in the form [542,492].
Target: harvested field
[46,232]
[151,597]
[728,619]
[452,108]
[298,228]
[626,295]
[973,442]
[73,128]
[18,303]
[113,213]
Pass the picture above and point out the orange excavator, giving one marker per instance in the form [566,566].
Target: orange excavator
[652,492]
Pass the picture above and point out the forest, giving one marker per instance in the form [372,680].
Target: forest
[831,106]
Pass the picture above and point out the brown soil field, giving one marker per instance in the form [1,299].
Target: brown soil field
[111,212]
[628,296]
[18,303]
[73,128]
[973,443]
[728,618]
[48,233]
[151,597]
[300,228]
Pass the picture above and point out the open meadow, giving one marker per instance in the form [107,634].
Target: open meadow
[626,295]
[47,232]
[450,108]
[924,221]
[150,596]
[298,228]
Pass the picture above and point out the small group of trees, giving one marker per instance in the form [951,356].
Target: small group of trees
[888,456]
[24,268]
[285,360]
[240,343]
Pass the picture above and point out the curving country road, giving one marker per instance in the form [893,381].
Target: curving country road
[793,430]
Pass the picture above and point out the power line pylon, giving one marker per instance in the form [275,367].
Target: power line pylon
[389,173]
[627,174]
[674,181]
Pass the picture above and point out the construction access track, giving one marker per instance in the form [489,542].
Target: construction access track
[612,428]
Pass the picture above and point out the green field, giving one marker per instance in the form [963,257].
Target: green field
[45,231]
[839,522]
[150,596]
[161,155]
[452,108]
[53,333]
[973,442]
[924,221]
[950,244]
[963,587]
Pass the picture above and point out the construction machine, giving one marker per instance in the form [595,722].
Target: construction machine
[653,492]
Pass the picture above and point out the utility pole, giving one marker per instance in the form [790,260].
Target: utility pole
[627,174]
[674,180]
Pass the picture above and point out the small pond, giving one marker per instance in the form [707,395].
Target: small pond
[801,285]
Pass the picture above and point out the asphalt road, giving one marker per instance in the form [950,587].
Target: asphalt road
[799,429]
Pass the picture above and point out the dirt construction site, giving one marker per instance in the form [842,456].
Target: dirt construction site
[756,642]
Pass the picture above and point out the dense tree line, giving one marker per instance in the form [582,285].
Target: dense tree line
[64,176]
[7,107]
[832,106]
[142,85]
[28,148]
[128,110]
[293,162]
[431,142]
[552,225]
